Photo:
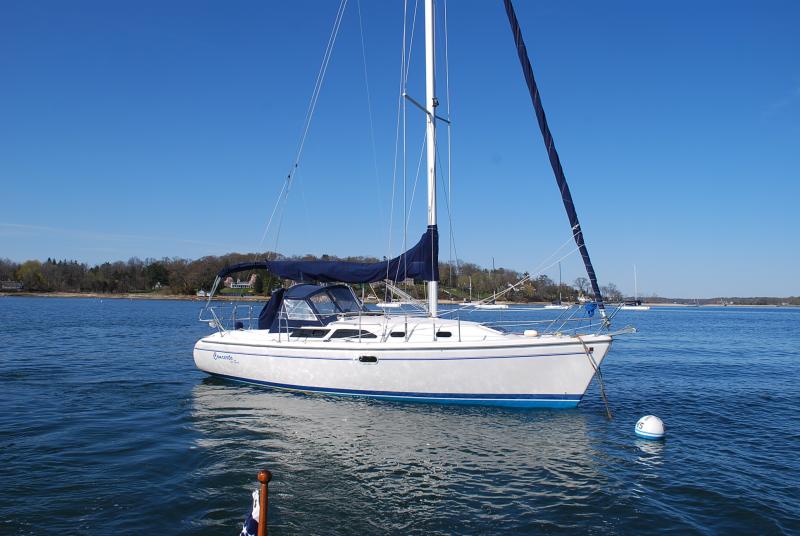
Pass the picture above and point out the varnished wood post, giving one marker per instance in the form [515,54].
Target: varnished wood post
[263,501]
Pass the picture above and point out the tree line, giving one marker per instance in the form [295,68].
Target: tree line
[183,276]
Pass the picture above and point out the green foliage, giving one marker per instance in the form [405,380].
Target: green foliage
[183,276]
[258,286]
[611,293]
[156,272]
[30,275]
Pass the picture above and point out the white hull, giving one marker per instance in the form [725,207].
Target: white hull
[490,306]
[635,307]
[558,307]
[388,305]
[508,370]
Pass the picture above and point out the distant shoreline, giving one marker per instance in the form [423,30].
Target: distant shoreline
[121,296]
[185,297]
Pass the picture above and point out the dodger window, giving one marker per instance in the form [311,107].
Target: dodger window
[323,303]
[298,310]
[345,299]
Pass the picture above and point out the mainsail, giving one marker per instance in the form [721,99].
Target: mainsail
[421,263]
[555,162]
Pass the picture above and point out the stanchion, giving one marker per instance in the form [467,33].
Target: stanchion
[263,501]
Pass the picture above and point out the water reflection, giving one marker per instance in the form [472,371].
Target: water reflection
[653,450]
[369,463]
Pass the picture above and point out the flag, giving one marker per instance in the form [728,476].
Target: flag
[250,525]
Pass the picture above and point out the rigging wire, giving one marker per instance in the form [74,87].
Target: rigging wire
[453,248]
[406,202]
[404,89]
[416,179]
[410,44]
[369,109]
[286,188]
[407,216]
[401,130]
[400,113]
[530,277]
[449,144]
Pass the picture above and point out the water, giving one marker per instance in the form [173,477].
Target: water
[107,428]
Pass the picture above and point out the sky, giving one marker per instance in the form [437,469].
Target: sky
[166,129]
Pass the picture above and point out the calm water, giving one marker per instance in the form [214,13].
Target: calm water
[106,427]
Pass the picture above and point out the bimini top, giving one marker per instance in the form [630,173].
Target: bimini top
[421,262]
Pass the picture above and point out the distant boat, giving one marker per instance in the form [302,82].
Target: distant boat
[558,304]
[492,304]
[404,298]
[636,303]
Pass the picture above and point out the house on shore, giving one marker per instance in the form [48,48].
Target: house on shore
[239,284]
[10,285]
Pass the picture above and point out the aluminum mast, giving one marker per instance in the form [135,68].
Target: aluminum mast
[430,107]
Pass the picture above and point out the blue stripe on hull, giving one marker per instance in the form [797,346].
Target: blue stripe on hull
[517,401]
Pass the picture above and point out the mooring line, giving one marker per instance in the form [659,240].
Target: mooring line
[599,377]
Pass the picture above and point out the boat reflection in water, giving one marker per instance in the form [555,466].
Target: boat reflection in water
[348,465]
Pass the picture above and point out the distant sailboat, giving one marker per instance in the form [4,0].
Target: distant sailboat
[492,304]
[391,303]
[636,303]
[557,304]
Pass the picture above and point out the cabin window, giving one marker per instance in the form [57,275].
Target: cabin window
[298,310]
[398,334]
[352,334]
[345,299]
[443,334]
[309,333]
[323,303]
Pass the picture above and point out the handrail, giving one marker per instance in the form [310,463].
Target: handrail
[225,315]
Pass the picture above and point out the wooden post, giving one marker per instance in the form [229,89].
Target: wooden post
[263,501]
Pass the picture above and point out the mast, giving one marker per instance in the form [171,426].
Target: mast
[635,284]
[494,284]
[430,106]
[559,283]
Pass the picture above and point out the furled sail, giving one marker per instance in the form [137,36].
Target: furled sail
[555,162]
[421,263]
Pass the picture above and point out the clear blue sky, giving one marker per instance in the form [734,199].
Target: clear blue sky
[157,129]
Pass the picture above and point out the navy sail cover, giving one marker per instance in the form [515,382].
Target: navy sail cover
[421,263]
[555,162]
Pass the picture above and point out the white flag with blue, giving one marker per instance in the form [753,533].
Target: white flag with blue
[250,526]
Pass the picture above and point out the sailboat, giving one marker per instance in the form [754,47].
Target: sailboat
[558,304]
[491,303]
[636,303]
[317,337]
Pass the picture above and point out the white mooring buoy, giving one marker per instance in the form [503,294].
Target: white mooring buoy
[650,427]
